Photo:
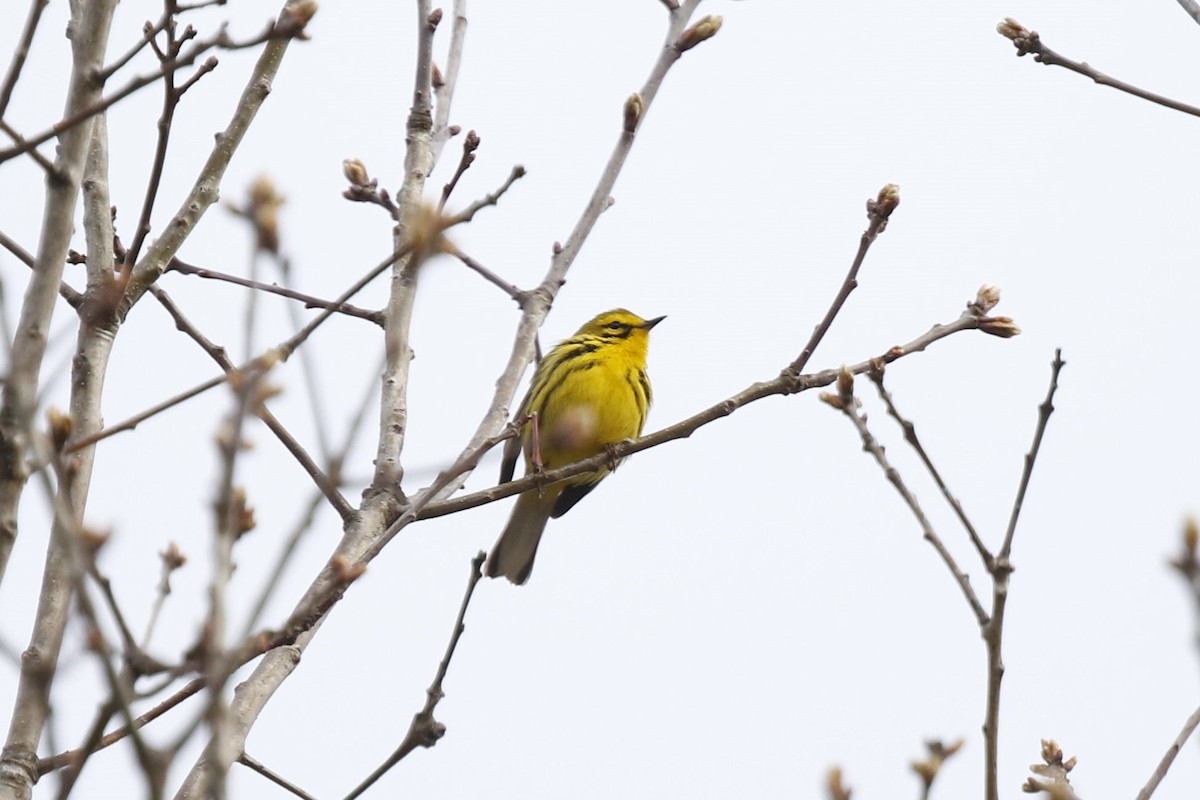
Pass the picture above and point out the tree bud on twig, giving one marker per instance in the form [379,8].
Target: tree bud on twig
[837,789]
[633,112]
[435,17]
[939,752]
[1003,327]
[356,172]
[1009,28]
[172,558]
[471,143]
[1051,776]
[706,28]
[987,298]
[885,202]
[1191,535]
[845,387]
[435,77]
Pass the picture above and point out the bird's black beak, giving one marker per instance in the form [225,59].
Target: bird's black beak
[650,323]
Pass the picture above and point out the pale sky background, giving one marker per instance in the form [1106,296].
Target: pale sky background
[732,614]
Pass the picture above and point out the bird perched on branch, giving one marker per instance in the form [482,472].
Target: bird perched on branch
[588,393]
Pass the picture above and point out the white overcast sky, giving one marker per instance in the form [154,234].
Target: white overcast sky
[731,614]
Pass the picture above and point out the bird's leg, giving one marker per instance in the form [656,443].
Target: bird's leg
[535,455]
[610,450]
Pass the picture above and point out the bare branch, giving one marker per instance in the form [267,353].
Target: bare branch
[878,212]
[1001,571]
[1168,758]
[273,777]
[309,301]
[444,93]
[848,404]
[491,277]
[424,730]
[21,52]
[1027,41]
[910,436]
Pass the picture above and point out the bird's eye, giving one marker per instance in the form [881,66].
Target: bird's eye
[614,326]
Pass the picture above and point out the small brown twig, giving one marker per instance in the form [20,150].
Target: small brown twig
[443,93]
[424,730]
[910,436]
[309,300]
[221,40]
[512,291]
[468,213]
[1169,757]
[848,404]
[55,762]
[74,299]
[20,53]
[219,355]
[274,777]
[304,524]
[937,754]
[879,210]
[1027,41]
[172,559]
[137,419]
[172,94]
[1001,572]
[470,145]
[35,154]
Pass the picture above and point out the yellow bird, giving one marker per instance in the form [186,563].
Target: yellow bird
[589,392]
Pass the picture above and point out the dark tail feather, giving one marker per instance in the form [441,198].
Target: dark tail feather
[513,554]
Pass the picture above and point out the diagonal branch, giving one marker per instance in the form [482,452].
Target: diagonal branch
[848,404]
[1027,41]
[424,730]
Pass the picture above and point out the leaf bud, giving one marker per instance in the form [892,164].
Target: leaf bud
[706,28]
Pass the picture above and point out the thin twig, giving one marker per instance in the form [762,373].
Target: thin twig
[309,300]
[171,97]
[993,632]
[1027,41]
[424,730]
[219,355]
[304,525]
[910,436]
[444,94]
[35,154]
[879,210]
[137,419]
[73,298]
[20,53]
[1169,757]
[512,291]
[470,145]
[468,213]
[55,762]
[274,33]
[273,777]
[848,404]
